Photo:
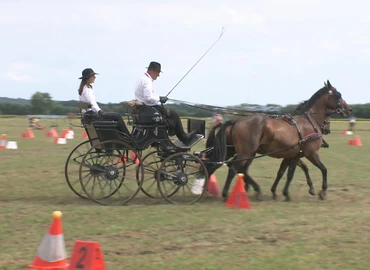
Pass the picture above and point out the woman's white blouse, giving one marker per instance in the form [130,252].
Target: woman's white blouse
[88,96]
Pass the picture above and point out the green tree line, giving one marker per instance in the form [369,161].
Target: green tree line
[42,103]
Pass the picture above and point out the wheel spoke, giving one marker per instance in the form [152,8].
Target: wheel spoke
[180,173]
[115,180]
[71,168]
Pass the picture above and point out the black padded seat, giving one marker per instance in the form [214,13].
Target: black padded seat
[112,116]
[145,115]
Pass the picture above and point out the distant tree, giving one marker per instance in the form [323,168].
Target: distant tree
[41,103]
[15,109]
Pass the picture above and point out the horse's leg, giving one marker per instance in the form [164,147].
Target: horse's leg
[308,178]
[292,166]
[283,166]
[230,175]
[248,179]
[315,160]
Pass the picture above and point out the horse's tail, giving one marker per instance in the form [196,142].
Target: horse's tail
[220,145]
[212,135]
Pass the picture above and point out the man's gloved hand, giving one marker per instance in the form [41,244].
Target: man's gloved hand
[163,100]
[101,113]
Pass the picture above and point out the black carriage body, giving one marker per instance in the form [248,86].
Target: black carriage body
[149,128]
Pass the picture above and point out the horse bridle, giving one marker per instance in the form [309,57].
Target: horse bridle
[325,129]
[340,108]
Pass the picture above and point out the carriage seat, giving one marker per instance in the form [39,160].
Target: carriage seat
[88,117]
[115,119]
[106,119]
[144,115]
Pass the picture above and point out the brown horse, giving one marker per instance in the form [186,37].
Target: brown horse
[291,139]
[283,166]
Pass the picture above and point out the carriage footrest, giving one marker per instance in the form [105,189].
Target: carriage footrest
[195,140]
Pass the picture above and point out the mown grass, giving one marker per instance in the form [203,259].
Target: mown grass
[305,233]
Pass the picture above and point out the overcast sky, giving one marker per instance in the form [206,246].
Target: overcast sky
[278,52]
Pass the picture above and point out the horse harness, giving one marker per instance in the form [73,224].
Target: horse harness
[313,136]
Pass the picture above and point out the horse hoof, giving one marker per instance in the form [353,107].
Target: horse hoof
[312,191]
[274,197]
[287,199]
[322,195]
[258,196]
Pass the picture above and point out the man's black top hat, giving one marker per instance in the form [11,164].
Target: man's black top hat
[155,66]
[87,72]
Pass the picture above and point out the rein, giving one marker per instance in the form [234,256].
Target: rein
[262,155]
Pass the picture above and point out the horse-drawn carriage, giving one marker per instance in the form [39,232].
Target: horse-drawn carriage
[114,164]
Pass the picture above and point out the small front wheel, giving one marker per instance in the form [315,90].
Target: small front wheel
[151,163]
[182,178]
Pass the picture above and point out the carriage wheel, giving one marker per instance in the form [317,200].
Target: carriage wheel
[108,175]
[151,163]
[72,166]
[182,178]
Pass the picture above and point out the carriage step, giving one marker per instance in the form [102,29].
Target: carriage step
[195,140]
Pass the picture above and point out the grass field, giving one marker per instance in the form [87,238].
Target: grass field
[306,233]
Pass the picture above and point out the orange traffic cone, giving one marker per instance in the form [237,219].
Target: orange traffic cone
[84,135]
[52,133]
[3,141]
[28,134]
[120,159]
[239,198]
[355,142]
[51,253]
[134,158]
[91,258]
[70,134]
[64,133]
[60,140]
[213,188]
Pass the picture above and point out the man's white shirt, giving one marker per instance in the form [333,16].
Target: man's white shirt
[145,91]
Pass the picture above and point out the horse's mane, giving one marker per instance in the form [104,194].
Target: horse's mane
[306,105]
[300,106]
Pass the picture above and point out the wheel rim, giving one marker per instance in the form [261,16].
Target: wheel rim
[182,178]
[151,163]
[108,176]
[71,168]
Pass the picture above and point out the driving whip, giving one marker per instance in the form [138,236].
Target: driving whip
[222,32]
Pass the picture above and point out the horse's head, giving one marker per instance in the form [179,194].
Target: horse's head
[336,102]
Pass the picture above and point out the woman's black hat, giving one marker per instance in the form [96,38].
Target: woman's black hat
[87,72]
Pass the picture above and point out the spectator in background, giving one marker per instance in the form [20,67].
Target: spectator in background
[352,122]
[217,119]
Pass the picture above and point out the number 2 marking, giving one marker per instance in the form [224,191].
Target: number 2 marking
[80,264]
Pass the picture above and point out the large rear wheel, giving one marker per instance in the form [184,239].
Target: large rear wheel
[108,175]
[72,166]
